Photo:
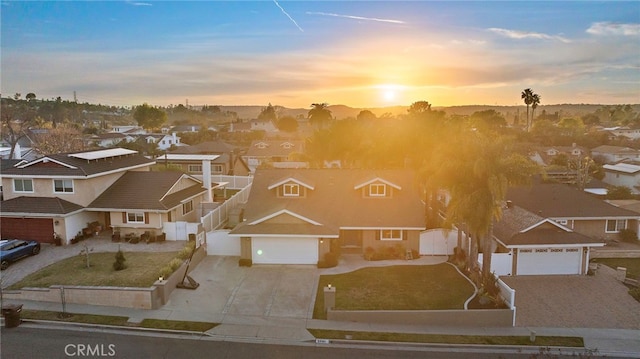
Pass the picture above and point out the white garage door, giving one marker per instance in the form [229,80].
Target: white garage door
[549,261]
[268,250]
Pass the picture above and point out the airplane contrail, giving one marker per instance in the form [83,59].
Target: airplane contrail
[289,16]
[356,17]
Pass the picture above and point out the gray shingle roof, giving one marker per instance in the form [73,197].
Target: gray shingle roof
[38,205]
[145,191]
[334,202]
[80,167]
[563,201]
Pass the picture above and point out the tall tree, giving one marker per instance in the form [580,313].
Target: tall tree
[527,96]
[63,138]
[319,114]
[268,114]
[149,117]
[535,101]
[477,170]
[16,118]
[287,124]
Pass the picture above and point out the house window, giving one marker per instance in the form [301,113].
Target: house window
[377,190]
[391,235]
[22,185]
[216,168]
[194,168]
[187,207]
[135,217]
[291,190]
[615,225]
[63,186]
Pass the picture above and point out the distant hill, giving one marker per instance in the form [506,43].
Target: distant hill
[343,111]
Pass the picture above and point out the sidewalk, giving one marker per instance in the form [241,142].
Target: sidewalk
[618,342]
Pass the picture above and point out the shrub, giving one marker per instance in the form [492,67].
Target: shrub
[119,263]
[330,260]
[165,272]
[175,263]
[628,235]
[186,252]
[245,262]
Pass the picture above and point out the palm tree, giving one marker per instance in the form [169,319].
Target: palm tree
[527,96]
[477,170]
[319,114]
[535,101]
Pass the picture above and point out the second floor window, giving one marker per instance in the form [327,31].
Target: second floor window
[187,207]
[291,190]
[63,186]
[22,185]
[377,190]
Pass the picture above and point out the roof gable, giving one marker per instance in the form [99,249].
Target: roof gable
[284,212]
[291,179]
[377,180]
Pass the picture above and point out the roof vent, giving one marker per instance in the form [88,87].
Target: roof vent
[509,204]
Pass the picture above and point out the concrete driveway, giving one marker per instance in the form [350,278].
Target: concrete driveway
[265,291]
[598,301]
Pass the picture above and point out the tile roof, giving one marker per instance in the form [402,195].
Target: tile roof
[334,202]
[38,205]
[563,201]
[146,191]
[64,165]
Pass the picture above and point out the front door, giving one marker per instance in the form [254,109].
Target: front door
[351,241]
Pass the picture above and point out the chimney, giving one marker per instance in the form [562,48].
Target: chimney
[206,178]
[509,204]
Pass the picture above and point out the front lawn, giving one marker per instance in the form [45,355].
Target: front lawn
[142,271]
[632,265]
[430,287]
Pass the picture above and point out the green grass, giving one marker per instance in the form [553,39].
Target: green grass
[117,321]
[142,271]
[396,288]
[632,265]
[449,339]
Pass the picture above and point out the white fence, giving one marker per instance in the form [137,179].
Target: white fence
[500,263]
[179,231]
[234,182]
[219,216]
[438,242]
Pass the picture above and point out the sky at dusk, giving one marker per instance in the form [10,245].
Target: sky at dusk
[294,53]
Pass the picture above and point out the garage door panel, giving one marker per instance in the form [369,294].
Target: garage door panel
[37,229]
[549,261]
[267,250]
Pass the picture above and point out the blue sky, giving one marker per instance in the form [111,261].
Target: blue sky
[294,53]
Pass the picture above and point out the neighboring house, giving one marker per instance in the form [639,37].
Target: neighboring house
[614,154]
[254,125]
[49,194]
[109,139]
[623,132]
[274,153]
[129,130]
[163,141]
[144,201]
[574,209]
[226,162]
[530,244]
[544,156]
[623,174]
[296,216]
[186,128]
[240,127]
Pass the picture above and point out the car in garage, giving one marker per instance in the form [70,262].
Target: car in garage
[12,250]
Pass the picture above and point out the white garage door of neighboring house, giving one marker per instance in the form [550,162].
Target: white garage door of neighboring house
[549,261]
[267,250]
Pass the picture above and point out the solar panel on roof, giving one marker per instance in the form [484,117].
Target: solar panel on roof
[100,154]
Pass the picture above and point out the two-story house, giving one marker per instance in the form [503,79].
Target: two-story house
[60,194]
[295,216]
[274,153]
